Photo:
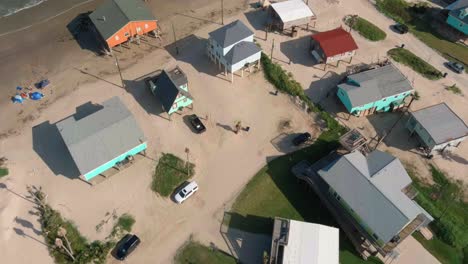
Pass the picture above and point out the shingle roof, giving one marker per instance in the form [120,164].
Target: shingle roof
[372,187]
[441,123]
[336,41]
[112,15]
[375,85]
[241,51]
[101,136]
[168,86]
[231,33]
[292,10]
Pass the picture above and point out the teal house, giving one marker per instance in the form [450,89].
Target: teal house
[377,90]
[171,88]
[103,139]
[458,15]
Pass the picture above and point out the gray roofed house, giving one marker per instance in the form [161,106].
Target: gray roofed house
[99,138]
[171,86]
[233,48]
[458,15]
[113,15]
[438,127]
[372,187]
[231,33]
[241,51]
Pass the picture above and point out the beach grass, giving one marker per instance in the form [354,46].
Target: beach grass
[366,29]
[3,172]
[454,89]
[193,252]
[409,59]
[170,172]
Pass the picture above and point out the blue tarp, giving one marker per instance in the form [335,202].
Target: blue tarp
[36,96]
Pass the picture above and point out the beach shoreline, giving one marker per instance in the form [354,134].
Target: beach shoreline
[47,49]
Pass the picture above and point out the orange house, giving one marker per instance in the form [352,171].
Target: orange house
[118,21]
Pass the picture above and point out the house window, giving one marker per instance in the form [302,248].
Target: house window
[138,29]
[396,96]
[146,26]
[384,99]
[375,236]
[116,37]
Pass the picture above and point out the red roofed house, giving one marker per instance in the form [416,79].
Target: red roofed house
[333,46]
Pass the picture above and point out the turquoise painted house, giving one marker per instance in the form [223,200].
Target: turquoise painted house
[458,15]
[99,141]
[377,90]
[171,88]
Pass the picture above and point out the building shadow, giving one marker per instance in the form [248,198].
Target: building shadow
[142,94]
[247,245]
[257,19]
[392,126]
[82,30]
[324,87]
[49,145]
[192,50]
[284,142]
[297,51]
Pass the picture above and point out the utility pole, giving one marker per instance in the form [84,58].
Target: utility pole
[187,151]
[222,12]
[175,39]
[272,47]
[120,72]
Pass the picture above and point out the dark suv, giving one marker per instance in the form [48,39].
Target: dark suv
[400,28]
[301,139]
[197,124]
[455,66]
[126,246]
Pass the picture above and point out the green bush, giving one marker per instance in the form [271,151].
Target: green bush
[366,28]
[3,172]
[396,9]
[409,59]
[170,172]
[124,224]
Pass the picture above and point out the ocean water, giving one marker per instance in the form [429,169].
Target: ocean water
[10,7]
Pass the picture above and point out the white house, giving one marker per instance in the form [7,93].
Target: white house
[233,48]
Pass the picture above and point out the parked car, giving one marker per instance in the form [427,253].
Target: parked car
[197,124]
[401,28]
[188,190]
[301,139]
[456,66]
[126,246]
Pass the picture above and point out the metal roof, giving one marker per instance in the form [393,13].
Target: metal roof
[372,187]
[310,243]
[168,86]
[441,123]
[240,51]
[458,8]
[231,33]
[102,136]
[375,84]
[335,42]
[292,10]
[113,15]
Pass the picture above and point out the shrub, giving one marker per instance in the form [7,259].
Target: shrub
[409,59]
[124,224]
[170,172]
[3,172]
[454,89]
[366,28]
[396,9]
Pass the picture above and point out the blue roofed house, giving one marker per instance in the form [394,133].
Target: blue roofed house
[171,88]
[382,89]
[458,15]
[232,47]
[102,140]
[375,192]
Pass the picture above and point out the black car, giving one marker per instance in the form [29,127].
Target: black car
[301,139]
[455,66]
[126,246]
[400,28]
[197,124]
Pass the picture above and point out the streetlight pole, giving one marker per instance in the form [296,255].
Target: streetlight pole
[222,12]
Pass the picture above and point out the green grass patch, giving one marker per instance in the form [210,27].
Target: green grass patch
[274,191]
[124,224]
[409,59]
[3,172]
[444,201]
[366,28]
[195,253]
[443,252]
[420,26]
[454,89]
[170,172]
